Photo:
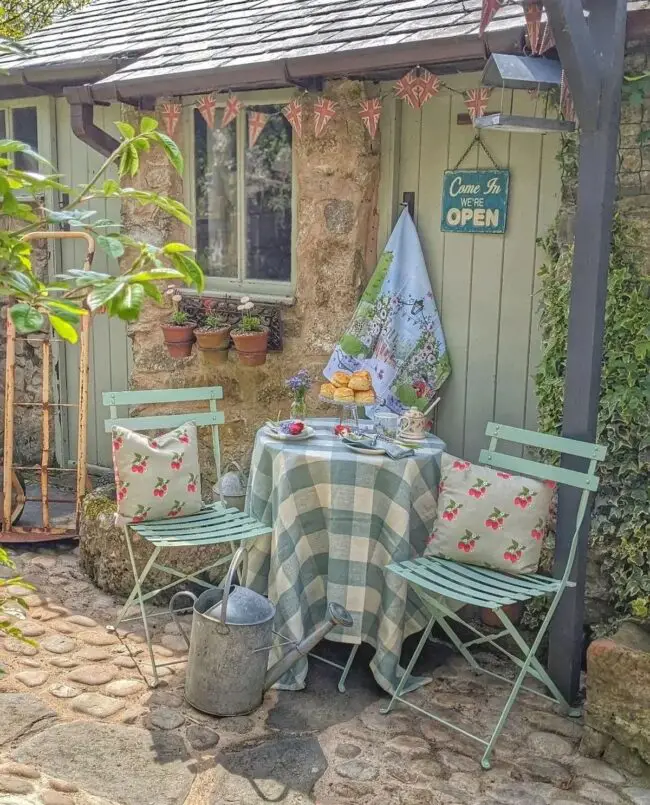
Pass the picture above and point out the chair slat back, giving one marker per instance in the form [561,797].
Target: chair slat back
[586,481]
[211,418]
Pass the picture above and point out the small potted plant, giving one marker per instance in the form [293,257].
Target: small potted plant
[299,385]
[213,336]
[251,337]
[178,332]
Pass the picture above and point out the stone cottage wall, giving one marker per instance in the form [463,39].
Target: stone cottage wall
[28,377]
[337,187]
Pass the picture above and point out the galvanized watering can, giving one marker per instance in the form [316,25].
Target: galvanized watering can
[232,632]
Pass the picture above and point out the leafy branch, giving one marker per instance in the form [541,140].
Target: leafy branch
[76,292]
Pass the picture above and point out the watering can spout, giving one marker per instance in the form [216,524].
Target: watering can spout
[338,616]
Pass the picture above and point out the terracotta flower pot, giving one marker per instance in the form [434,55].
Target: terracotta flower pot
[251,347]
[179,339]
[214,343]
[513,611]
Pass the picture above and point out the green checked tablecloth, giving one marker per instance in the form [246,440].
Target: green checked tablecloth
[338,519]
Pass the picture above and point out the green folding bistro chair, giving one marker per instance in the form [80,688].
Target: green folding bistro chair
[213,525]
[493,590]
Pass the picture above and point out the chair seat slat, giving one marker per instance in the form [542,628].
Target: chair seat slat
[193,521]
[170,542]
[524,584]
[430,582]
[222,528]
[452,588]
[455,572]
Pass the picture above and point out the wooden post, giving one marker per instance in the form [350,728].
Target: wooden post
[593,224]
[45,430]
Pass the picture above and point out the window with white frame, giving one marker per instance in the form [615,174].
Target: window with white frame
[20,122]
[244,202]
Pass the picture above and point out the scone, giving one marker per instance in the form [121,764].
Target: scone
[340,379]
[344,394]
[360,381]
[327,390]
[364,397]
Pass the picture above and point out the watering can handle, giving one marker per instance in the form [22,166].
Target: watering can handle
[240,557]
[174,613]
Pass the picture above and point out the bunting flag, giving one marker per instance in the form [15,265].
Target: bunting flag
[408,89]
[488,10]
[428,86]
[324,111]
[256,123]
[476,101]
[533,15]
[293,113]
[171,114]
[232,109]
[566,99]
[207,106]
[370,114]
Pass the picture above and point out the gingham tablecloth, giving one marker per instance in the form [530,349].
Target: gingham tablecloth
[338,519]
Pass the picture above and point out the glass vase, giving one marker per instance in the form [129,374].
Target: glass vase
[299,409]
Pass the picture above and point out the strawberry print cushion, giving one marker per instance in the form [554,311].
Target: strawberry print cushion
[157,477]
[490,518]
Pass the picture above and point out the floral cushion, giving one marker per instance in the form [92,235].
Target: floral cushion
[157,477]
[490,518]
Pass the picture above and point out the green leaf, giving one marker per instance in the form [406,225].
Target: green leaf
[129,303]
[148,124]
[176,248]
[26,318]
[156,274]
[171,149]
[101,296]
[64,329]
[126,129]
[152,291]
[111,244]
[190,269]
[69,311]
[110,187]
[15,146]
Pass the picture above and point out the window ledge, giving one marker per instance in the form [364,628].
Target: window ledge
[262,298]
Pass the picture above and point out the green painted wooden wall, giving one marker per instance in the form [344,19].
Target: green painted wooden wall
[485,285]
[110,355]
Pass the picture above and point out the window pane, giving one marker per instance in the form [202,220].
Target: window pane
[25,129]
[216,198]
[268,200]
[3,124]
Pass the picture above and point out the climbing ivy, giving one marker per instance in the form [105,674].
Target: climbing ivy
[620,532]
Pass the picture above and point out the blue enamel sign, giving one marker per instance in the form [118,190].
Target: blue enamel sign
[475,202]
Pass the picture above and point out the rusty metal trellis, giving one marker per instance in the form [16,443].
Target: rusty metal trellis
[46,532]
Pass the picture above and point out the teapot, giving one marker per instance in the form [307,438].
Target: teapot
[412,425]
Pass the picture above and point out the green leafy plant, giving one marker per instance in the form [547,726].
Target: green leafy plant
[180,318]
[214,321]
[249,323]
[620,527]
[636,88]
[21,17]
[10,603]
[76,292]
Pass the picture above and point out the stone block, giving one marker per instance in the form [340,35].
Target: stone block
[618,688]
[104,555]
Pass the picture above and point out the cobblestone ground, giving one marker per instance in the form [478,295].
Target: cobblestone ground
[79,726]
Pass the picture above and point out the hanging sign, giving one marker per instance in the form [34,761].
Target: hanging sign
[475,201]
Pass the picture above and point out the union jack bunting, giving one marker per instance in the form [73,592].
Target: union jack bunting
[293,113]
[324,111]
[476,101]
[207,106]
[171,114]
[370,114]
[408,89]
[256,123]
[429,85]
[233,106]
[533,15]
[488,10]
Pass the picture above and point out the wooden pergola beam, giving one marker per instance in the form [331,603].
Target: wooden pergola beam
[575,47]
[592,230]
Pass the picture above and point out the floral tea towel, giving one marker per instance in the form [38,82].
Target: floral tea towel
[396,332]
[158,477]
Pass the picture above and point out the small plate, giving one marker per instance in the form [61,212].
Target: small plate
[307,433]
